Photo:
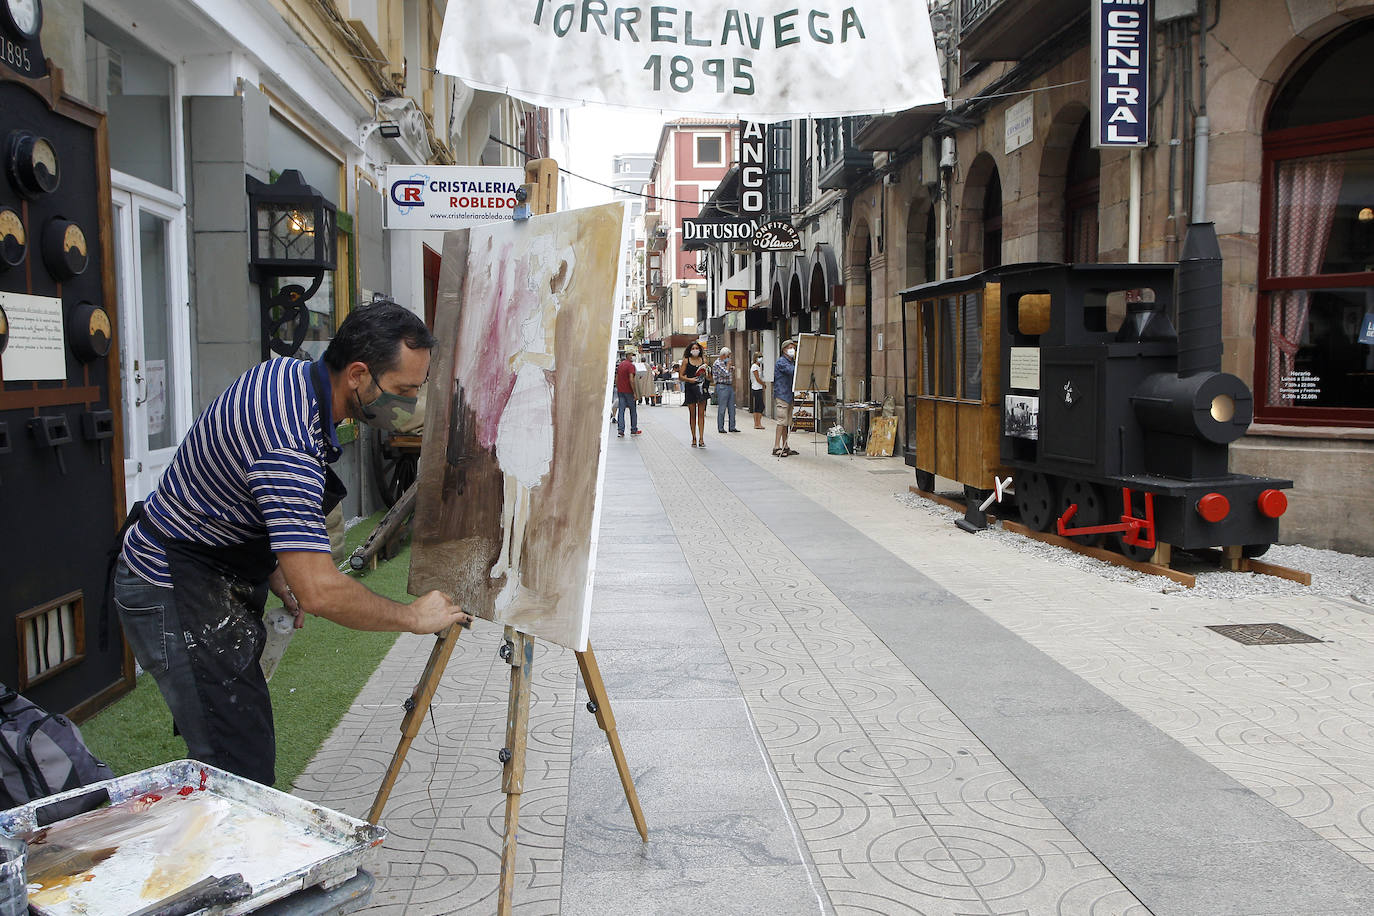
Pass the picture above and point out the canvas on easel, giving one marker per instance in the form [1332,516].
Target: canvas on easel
[815,359]
[510,477]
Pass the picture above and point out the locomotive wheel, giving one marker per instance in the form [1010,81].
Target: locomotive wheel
[925,481]
[1254,550]
[1132,551]
[1092,509]
[1129,551]
[1035,497]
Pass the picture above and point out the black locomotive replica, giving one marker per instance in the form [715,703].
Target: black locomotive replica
[1116,421]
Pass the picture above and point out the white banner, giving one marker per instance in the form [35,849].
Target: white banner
[449,196]
[764,60]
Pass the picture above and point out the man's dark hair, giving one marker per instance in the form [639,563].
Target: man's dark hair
[373,334]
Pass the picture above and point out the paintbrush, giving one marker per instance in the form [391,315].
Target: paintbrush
[211,891]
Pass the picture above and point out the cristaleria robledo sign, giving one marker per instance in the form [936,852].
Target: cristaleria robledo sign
[449,196]
[763,60]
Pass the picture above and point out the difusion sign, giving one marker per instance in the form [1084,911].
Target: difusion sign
[449,196]
[1121,51]
[763,60]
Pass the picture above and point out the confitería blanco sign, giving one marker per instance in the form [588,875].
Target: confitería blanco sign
[449,196]
[760,60]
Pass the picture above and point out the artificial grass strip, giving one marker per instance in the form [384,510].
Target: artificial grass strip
[319,677]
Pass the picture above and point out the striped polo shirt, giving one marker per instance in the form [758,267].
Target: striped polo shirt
[252,465]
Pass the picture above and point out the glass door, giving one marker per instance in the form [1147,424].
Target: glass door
[154,330]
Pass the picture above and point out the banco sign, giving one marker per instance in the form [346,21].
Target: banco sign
[449,196]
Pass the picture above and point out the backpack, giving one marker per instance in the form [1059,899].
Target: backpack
[41,753]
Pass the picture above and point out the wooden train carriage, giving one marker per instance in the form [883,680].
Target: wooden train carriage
[952,333]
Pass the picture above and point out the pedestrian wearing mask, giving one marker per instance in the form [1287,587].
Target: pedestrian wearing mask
[723,374]
[783,373]
[694,372]
[756,390]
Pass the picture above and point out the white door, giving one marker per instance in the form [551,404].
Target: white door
[154,340]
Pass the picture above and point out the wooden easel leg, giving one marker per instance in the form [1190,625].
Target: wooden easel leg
[600,706]
[416,706]
[520,654]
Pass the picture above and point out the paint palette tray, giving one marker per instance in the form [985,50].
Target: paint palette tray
[161,831]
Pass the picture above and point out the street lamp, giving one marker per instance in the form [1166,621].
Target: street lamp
[292,234]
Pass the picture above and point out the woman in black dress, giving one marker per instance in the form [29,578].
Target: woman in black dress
[693,372]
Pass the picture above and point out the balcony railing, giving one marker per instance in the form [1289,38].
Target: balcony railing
[970,11]
[1007,30]
[839,162]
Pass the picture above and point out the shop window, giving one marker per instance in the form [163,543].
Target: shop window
[1315,340]
[134,86]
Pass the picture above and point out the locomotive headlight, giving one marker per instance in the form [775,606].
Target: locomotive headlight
[1223,408]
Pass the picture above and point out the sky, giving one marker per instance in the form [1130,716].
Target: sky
[596,134]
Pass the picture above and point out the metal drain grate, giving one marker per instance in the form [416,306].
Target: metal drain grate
[891,471]
[1263,634]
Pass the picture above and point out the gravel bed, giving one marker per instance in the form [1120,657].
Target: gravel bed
[1336,575]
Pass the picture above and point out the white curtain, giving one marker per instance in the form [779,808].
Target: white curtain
[1305,196]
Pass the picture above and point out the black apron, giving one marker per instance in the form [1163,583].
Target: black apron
[220,594]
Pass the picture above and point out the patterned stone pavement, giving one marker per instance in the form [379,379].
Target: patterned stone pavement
[834,703]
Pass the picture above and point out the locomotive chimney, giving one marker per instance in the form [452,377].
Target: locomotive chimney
[1199,302]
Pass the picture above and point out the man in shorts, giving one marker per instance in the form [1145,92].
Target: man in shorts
[783,374]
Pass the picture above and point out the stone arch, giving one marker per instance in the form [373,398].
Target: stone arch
[921,239]
[982,174]
[1049,193]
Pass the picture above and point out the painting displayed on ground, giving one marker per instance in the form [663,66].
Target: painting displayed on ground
[510,476]
[815,356]
[882,435]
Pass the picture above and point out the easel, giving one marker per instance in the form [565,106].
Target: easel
[540,194]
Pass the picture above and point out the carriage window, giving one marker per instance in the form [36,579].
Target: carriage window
[973,346]
[1033,314]
[945,360]
[928,347]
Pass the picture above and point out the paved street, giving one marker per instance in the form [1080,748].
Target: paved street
[834,703]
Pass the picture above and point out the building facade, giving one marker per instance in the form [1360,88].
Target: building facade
[692,158]
[1259,122]
[200,95]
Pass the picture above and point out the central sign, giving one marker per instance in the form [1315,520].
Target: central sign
[736,300]
[1121,52]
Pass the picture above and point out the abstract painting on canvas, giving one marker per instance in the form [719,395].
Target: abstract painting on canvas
[510,473]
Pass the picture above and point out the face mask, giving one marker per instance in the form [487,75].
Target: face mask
[389,411]
[790,352]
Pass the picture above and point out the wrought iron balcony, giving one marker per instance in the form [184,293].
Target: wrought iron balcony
[1010,29]
[839,161]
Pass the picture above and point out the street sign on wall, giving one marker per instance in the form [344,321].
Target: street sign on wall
[449,196]
[1121,50]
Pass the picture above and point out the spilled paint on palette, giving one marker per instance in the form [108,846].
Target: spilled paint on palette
[507,510]
[124,857]
[174,825]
